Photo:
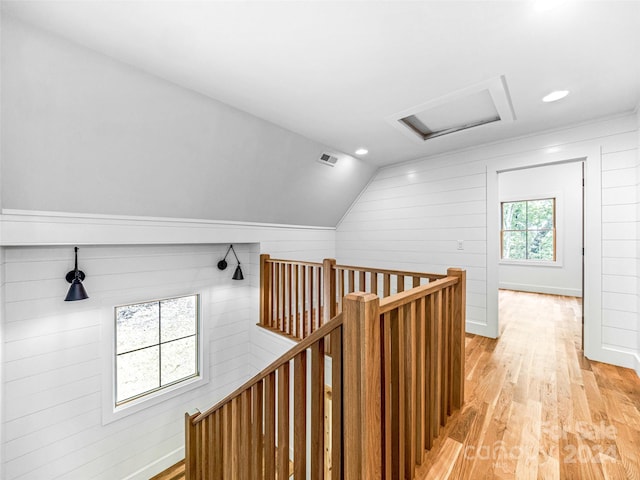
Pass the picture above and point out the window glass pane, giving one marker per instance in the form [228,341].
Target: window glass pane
[514,245]
[540,244]
[514,216]
[540,214]
[137,372]
[178,317]
[137,326]
[179,359]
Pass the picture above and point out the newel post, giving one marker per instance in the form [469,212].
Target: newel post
[265,290]
[329,281]
[190,448]
[459,327]
[361,380]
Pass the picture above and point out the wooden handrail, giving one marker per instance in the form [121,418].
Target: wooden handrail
[383,271]
[294,262]
[285,358]
[390,303]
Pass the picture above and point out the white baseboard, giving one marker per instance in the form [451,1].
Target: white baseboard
[481,329]
[637,366]
[615,356]
[148,471]
[523,287]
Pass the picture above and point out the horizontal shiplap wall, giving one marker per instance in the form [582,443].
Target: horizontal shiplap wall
[619,244]
[53,350]
[412,215]
[410,218]
[52,413]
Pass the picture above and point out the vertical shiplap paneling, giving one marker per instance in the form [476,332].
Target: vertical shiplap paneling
[619,244]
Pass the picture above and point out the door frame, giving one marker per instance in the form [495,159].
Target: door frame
[590,154]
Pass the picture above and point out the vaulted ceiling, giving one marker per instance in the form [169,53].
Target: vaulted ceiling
[335,71]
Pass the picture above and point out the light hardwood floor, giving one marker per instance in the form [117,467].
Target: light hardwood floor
[535,407]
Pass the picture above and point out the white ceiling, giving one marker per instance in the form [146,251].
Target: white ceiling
[333,71]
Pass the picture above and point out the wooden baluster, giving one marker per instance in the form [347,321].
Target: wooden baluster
[430,394]
[421,381]
[336,405]
[437,318]
[459,327]
[409,316]
[328,267]
[398,392]
[444,406]
[269,427]
[318,297]
[303,313]
[341,292]
[300,415]
[400,283]
[236,434]
[362,282]
[362,387]
[217,446]
[351,281]
[289,317]
[265,290]
[257,439]
[317,410]
[311,298]
[294,293]
[244,436]
[278,290]
[386,286]
[373,279]
[283,422]
[227,441]
[387,404]
[416,282]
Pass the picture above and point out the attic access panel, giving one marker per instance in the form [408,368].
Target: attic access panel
[483,103]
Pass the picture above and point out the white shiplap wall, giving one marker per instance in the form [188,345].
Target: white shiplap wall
[619,238]
[412,215]
[54,351]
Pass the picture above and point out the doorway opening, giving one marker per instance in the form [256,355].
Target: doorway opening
[542,236]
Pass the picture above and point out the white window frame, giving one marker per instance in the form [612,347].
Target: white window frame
[112,412]
[559,224]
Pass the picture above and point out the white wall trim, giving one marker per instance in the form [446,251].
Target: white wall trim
[591,153]
[523,287]
[34,228]
[158,466]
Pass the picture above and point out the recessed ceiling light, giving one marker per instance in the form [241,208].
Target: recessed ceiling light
[557,95]
[362,151]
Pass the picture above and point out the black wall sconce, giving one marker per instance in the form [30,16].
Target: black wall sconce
[75,278]
[222,264]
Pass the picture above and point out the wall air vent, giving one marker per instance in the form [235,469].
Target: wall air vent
[328,160]
[480,104]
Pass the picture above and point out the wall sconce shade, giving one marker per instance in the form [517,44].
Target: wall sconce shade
[75,278]
[222,264]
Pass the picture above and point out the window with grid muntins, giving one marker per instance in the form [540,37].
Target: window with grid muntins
[156,345]
[529,230]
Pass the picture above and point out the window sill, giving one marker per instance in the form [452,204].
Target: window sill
[111,413]
[531,263]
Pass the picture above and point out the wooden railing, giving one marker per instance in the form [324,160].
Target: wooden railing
[248,434]
[397,373]
[296,297]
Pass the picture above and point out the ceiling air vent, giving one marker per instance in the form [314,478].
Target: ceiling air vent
[328,160]
[483,103]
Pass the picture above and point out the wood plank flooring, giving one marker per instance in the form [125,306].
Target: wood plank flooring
[535,407]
